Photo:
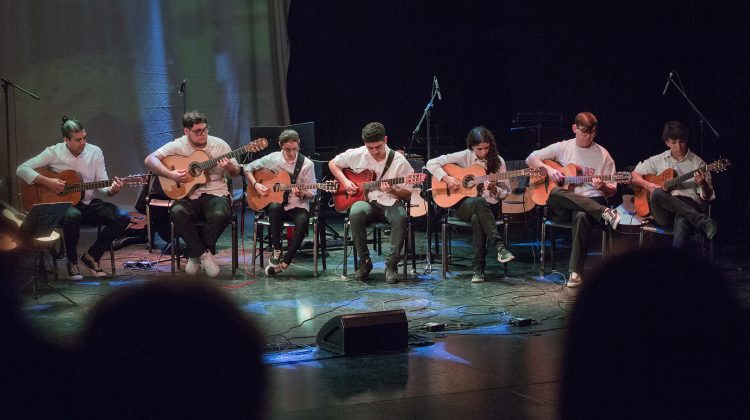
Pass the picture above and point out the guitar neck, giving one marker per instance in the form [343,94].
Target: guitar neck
[671,183]
[85,186]
[374,185]
[215,161]
[289,187]
[582,179]
[501,175]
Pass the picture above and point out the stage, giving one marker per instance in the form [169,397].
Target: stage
[481,363]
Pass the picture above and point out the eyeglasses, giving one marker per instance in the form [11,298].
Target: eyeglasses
[587,130]
[201,131]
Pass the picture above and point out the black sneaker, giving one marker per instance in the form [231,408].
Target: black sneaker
[74,273]
[365,266]
[92,265]
[391,276]
[709,228]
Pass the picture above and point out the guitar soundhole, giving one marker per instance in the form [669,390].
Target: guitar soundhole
[468,181]
[194,169]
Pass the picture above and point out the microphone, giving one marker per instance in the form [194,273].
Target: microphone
[437,87]
[667,85]
[182,87]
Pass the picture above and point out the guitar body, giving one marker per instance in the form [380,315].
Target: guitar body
[195,176]
[36,194]
[418,205]
[445,197]
[270,179]
[519,200]
[642,195]
[541,186]
[343,201]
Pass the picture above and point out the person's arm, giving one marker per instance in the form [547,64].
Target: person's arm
[644,168]
[27,171]
[402,168]
[535,160]
[153,162]
[337,171]
[705,190]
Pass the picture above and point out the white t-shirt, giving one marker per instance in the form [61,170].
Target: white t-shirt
[57,158]
[275,161]
[657,164]
[464,159]
[215,147]
[359,159]
[593,160]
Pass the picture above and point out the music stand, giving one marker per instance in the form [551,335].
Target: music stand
[40,222]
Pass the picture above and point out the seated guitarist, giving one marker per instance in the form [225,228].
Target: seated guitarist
[385,204]
[210,201]
[74,153]
[296,206]
[586,203]
[481,149]
[683,207]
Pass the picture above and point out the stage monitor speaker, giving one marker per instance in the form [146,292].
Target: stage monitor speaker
[368,332]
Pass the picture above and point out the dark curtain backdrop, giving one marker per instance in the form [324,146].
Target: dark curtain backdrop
[118,67]
[355,62]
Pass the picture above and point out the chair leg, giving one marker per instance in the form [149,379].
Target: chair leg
[235,251]
[322,243]
[413,250]
[149,234]
[542,248]
[112,259]
[173,245]
[444,260]
[505,242]
[253,254]
[315,249]
[406,250]
[346,245]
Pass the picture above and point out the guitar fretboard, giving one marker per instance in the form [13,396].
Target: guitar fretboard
[215,161]
[92,185]
[582,179]
[289,187]
[374,185]
[671,183]
[501,175]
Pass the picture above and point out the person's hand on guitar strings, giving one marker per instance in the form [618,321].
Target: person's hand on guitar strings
[260,188]
[115,187]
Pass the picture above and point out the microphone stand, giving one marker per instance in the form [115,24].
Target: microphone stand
[9,180]
[426,119]
[703,119]
[183,93]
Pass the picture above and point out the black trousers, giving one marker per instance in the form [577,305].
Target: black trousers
[276,217]
[96,213]
[213,209]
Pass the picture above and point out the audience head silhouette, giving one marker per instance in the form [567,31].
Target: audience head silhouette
[655,334]
[176,348]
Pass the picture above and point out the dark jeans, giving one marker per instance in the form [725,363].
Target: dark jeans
[582,212]
[681,213]
[481,214]
[96,213]
[363,212]
[214,210]
[276,217]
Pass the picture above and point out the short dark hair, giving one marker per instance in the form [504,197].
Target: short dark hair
[288,135]
[675,130]
[373,132]
[192,118]
[586,120]
[70,126]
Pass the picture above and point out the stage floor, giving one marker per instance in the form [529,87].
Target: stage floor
[480,365]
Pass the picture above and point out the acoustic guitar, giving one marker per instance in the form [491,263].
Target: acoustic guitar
[74,189]
[366,182]
[471,179]
[11,220]
[278,183]
[197,165]
[668,180]
[542,186]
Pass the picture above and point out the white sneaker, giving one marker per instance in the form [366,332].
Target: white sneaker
[612,217]
[574,280]
[207,260]
[193,266]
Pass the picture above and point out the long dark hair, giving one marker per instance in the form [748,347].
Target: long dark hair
[481,134]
